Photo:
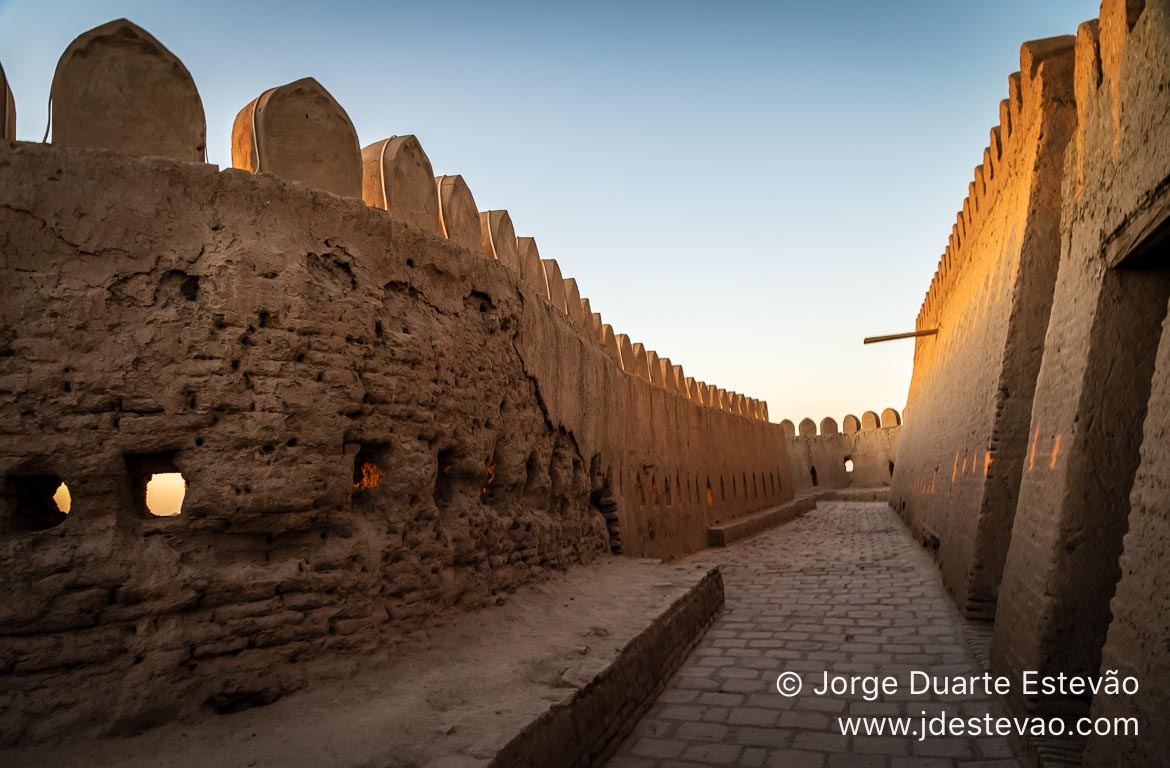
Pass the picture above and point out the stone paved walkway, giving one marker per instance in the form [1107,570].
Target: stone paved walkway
[844,589]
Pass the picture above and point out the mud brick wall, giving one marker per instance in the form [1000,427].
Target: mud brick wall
[819,455]
[964,443]
[1084,588]
[1034,455]
[267,340]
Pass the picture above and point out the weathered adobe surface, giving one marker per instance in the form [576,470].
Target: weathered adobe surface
[871,445]
[961,453]
[554,678]
[264,338]
[1093,515]
[1084,587]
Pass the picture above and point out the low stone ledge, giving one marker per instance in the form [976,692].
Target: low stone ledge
[726,533]
[588,728]
[557,677]
[853,494]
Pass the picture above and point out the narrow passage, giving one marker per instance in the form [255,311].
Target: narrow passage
[843,589]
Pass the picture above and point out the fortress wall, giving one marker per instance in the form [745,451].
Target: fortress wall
[659,450]
[960,455]
[872,452]
[268,340]
[1084,557]
[1092,510]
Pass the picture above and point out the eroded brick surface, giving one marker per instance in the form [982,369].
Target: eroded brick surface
[843,589]
[283,348]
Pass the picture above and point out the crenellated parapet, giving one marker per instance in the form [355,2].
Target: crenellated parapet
[1034,466]
[870,420]
[142,101]
[1044,77]
[372,403]
[118,88]
[858,453]
[989,302]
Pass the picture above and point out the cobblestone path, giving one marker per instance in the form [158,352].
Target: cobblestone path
[843,589]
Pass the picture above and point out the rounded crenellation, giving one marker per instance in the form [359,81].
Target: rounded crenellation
[397,177]
[144,102]
[869,420]
[299,132]
[498,239]
[531,268]
[356,377]
[458,215]
[118,88]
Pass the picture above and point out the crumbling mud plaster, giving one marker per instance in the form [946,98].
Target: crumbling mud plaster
[380,409]
[827,459]
[1064,495]
[266,337]
[269,340]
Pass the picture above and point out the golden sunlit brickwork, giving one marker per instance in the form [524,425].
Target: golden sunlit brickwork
[1034,455]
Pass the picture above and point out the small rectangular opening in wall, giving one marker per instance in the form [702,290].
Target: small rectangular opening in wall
[157,487]
[35,502]
[371,464]
[449,461]
[488,491]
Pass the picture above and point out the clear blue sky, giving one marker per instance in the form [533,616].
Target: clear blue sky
[747,188]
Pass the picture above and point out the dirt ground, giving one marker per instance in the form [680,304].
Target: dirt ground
[449,698]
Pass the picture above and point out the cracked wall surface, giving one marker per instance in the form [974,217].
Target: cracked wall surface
[267,340]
